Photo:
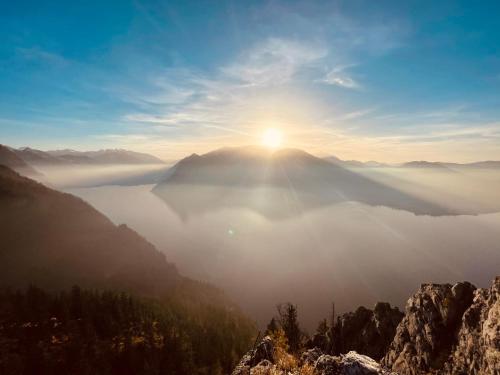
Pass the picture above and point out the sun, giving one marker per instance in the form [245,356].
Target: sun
[272,138]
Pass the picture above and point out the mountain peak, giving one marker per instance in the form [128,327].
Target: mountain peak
[286,180]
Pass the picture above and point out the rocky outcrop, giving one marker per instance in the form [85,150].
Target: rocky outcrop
[263,361]
[262,356]
[311,356]
[426,335]
[351,363]
[446,330]
[478,341]
[365,331]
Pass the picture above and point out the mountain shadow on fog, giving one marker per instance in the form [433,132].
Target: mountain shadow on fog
[276,184]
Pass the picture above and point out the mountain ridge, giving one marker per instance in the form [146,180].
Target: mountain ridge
[72,157]
[274,183]
[9,158]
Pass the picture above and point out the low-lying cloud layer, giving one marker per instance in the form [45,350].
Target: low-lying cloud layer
[347,253]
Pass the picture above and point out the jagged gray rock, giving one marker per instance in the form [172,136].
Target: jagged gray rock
[368,332]
[327,365]
[446,330]
[263,352]
[478,341]
[350,364]
[311,356]
[261,361]
[425,337]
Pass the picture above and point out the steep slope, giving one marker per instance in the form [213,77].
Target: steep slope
[448,330]
[478,347]
[277,184]
[425,337]
[55,240]
[366,331]
[10,159]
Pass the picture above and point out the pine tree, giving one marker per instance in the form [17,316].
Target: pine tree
[272,327]
[288,318]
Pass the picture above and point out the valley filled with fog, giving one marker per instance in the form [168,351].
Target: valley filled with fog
[348,253]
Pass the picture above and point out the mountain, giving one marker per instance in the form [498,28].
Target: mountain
[54,239]
[64,157]
[426,165]
[445,330]
[106,157]
[9,158]
[355,163]
[420,164]
[148,318]
[37,157]
[485,164]
[490,164]
[276,184]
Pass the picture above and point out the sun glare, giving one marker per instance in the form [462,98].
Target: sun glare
[272,138]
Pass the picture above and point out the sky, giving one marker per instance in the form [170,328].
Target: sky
[390,81]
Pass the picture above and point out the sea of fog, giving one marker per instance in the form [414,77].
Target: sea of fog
[350,254]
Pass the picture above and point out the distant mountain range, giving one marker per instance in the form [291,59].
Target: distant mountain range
[9,158]
[277,184]
[65,157]
[355,163]
[420,164]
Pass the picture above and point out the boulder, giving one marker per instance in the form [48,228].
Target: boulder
[350,364]
[311,356]
[327,365]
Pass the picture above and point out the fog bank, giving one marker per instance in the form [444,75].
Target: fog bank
[348,253]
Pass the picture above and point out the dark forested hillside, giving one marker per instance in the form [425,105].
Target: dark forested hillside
[88,332]
[54,240]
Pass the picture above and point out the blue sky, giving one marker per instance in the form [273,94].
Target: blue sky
[390,81]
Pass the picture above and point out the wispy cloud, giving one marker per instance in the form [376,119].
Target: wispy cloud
[275,61]
[339,76]
[238,94]
[40,55]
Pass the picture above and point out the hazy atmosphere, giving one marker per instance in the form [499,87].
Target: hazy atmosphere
[254,187]
[348,253]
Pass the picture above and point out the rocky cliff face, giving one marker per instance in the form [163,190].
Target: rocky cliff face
[425,337]
[368,332]
[446,330]
[477,349]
